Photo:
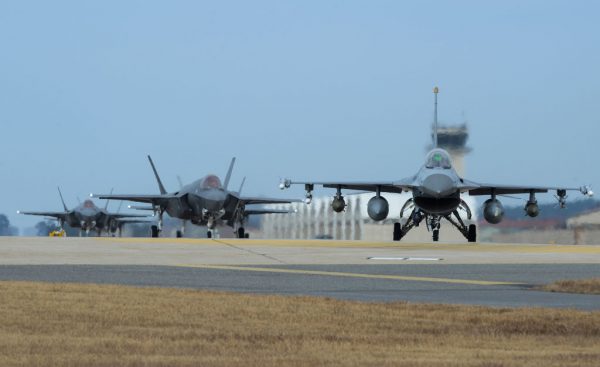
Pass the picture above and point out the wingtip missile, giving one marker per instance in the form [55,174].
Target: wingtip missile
[285,184]
[587,191]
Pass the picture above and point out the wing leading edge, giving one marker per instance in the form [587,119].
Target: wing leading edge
[149,199]
[383,186]
[57,215]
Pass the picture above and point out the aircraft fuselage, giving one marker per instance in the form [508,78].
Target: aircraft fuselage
[437,187]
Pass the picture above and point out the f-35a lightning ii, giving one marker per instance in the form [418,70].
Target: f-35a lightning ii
[203,202]
[436,193]
[87,216]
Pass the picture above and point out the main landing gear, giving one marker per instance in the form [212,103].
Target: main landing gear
[181,232]
[433,222]
[241,233]
[156,229]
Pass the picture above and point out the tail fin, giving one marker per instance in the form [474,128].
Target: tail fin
[62,200]
[180,182]
[435,118]
[106,206]
[242,185]
[228,177]
[160,185]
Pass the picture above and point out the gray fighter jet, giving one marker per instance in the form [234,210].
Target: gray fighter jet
[203,202]
[87,216]
[436,193]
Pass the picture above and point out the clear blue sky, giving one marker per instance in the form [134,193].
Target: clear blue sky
[307,89]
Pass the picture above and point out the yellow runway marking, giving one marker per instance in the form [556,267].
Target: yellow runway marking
[350,275]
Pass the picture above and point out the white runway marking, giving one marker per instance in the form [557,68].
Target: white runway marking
[405,258]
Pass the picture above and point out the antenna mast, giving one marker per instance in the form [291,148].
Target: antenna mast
[435,118]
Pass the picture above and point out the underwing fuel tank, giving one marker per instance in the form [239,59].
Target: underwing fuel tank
[378,208]
[493,211]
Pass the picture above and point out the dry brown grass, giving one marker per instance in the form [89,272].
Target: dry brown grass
[584,286]
[94,325]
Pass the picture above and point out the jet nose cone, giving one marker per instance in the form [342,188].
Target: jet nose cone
[438,185]
[214,200]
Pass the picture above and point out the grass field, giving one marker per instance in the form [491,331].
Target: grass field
[94,325]
[584,286]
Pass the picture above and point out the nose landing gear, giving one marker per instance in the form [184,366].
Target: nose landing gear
[434,222]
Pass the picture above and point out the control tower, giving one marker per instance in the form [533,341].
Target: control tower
[454,140]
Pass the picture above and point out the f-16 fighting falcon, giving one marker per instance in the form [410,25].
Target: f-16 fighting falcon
[87,216]
[203,202]
[436,193]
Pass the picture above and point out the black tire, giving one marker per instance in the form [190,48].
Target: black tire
[241,232]
[472,236]
[436,235]
[154,231]
[247,235]
[209,234]
[178,234]
[397,231]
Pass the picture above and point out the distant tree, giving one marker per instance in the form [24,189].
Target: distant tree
[5,228]
[43,228]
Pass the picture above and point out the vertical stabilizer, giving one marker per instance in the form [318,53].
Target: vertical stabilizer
[62,200]
[160,185]
[108,200]
[435,118]
[228,177]
[242,185]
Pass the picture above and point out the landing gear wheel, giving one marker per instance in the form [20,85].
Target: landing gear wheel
[247,235]
[241,233]
[178,234]
[397,231]
[209,234]
[154,231]
[436,235]
[472,236]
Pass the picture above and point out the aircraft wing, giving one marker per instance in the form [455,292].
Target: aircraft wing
[150,199]
[247,200]
[383,186]
[133,220]
[57,215]
[476,189]
[125,216]
[267,211]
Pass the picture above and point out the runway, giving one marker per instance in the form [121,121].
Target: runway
[498,275]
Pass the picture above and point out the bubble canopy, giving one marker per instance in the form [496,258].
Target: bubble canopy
[438,158]
[211,182]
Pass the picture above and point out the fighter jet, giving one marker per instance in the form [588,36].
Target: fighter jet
[436,193]
[203,202]
[87,216]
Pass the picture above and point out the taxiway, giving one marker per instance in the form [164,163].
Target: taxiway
[501,275]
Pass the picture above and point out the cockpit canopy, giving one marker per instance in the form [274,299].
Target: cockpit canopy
[211,182]
[88,204]
[438,158]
